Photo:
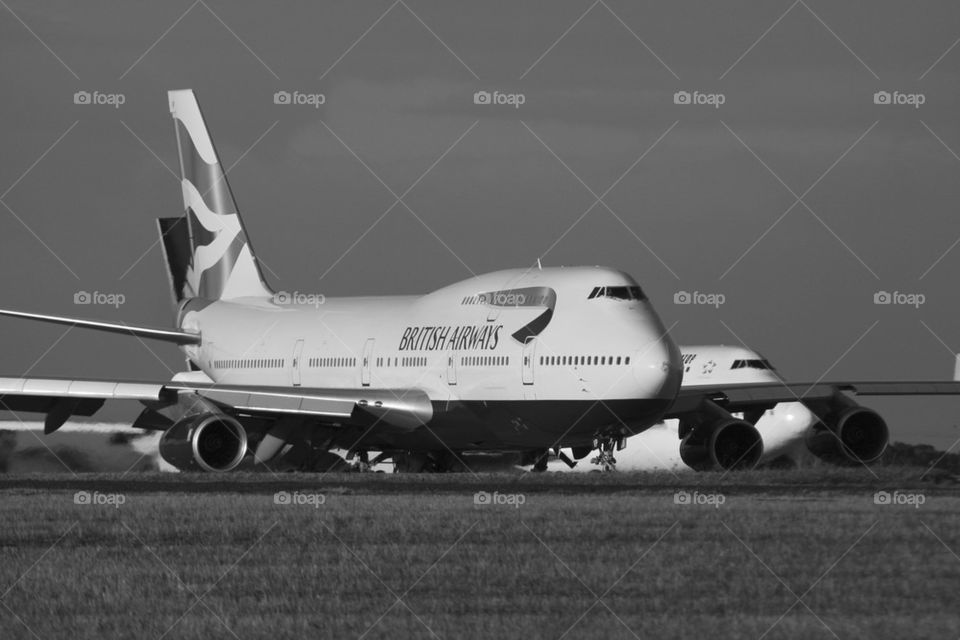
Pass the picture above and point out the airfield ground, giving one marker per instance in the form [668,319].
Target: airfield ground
[772,554]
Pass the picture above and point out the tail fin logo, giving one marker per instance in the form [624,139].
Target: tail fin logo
[217,243]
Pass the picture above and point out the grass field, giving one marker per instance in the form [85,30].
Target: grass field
[758,554]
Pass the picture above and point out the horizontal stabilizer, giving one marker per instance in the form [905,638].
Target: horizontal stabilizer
[166,335]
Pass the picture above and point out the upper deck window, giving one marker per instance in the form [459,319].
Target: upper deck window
[751,364]
[618,293]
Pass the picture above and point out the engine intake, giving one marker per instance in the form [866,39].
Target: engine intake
[853,435]
[206,442]
[723,444]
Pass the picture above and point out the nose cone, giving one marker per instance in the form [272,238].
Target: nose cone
[783,427]
[658,369]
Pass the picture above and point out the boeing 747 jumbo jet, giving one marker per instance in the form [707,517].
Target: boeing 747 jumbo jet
[790,431]
[522,360]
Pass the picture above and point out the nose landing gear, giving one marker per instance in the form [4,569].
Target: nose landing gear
[605,446]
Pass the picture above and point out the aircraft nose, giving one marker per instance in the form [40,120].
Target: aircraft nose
[658,369]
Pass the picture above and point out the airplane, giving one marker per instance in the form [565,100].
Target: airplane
[842,432]
[524,360]
[791,431]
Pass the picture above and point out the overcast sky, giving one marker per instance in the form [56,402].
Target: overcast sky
[798,198]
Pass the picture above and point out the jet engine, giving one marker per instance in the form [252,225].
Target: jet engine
[205,442]
[850,435]
[722,444]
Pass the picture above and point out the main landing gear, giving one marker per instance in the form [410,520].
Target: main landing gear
[360,461]
[444,461]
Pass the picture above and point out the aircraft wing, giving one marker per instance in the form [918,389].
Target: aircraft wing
[746,396]
[60,398]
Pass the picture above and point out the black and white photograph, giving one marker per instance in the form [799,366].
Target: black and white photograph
[424,319]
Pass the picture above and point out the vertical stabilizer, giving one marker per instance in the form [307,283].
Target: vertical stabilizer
[221,262]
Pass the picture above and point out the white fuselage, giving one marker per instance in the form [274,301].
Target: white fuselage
[534,337]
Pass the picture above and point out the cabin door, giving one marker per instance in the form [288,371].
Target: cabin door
[366,362]
[451,368]
[295,363]
[529,350]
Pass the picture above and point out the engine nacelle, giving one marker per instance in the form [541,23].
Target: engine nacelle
[205,442]
[725,443]
[852,435]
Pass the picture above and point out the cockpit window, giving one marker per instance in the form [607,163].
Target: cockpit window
[751,364]
[618,293]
